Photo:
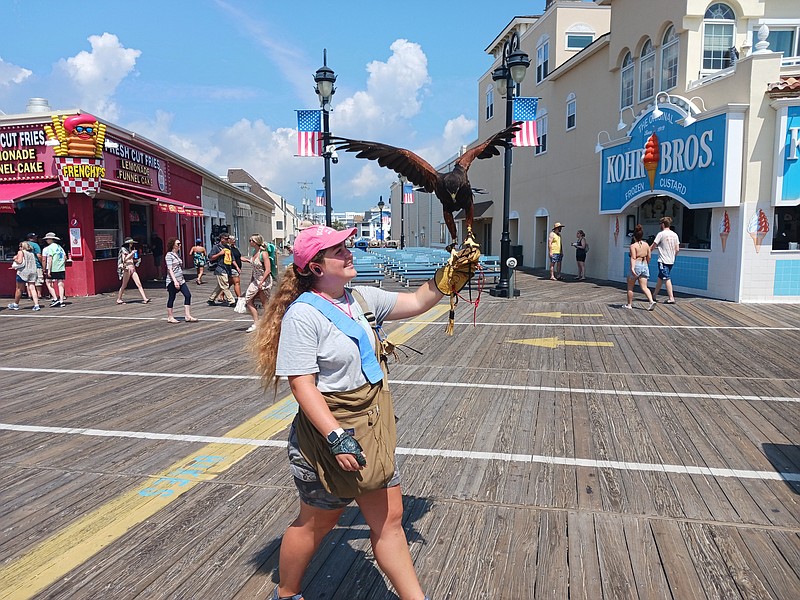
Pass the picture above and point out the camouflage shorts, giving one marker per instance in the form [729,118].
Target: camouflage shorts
[308,484]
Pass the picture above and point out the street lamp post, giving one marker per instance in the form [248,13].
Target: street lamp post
[380,208]
[511,72]
[402,215]
[325,78]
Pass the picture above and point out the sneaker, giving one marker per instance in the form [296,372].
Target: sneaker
[251,329]
[13,306]
[651,306]
[210,302]
[36,307]
[669,302]
[628,306]
[232,304]
[53,303]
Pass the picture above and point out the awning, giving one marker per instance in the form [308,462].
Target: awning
[167,205]
[12,192]
[243,210]
[478,210]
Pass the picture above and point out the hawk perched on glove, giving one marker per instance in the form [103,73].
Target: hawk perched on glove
[452,189]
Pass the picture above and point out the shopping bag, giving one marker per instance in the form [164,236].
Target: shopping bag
[241,306]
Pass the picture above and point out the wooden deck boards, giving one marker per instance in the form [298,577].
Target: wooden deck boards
[520,519]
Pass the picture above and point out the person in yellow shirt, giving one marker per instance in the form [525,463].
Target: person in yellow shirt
[554,251]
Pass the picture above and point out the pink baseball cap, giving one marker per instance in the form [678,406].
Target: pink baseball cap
[318,237]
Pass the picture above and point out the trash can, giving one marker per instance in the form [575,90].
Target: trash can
[516,252]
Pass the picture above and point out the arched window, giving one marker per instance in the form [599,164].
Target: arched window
[719,27]
[572,108]
[670,52]
[626,82]
[489,101]
[647,71]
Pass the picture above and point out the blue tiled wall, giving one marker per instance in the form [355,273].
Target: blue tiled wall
[689,271]
[787,278]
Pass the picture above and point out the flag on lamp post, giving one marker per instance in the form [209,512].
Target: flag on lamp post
[309,132]
[320,197]
[524,113]
[408,194]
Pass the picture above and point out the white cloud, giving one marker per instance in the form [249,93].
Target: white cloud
[12,74]
[96,75]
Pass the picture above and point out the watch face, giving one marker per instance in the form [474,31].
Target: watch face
[333,436]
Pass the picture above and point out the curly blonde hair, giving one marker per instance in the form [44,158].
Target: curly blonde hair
[293,283]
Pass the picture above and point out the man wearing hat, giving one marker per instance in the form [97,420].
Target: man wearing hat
[33,240]
[54,265]
[554,252]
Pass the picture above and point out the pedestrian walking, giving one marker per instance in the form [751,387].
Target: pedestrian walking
[157,246]
[33,240]
[261,279]
[554,251]
[24,263]
[581,246]
[236,267]
[176,281]
[127,261]
[54,266]
[221,258]
[640,269]
[342,442]
[668,245]
[200,259]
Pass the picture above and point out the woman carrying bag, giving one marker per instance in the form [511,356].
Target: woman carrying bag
[25,266]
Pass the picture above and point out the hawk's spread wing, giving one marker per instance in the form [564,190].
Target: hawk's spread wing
[488,148]
[404,162]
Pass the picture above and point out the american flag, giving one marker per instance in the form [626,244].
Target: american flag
[408,194]
[309,126]
[525,113]
[320,197]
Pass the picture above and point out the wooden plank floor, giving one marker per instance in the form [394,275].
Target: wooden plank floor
[559,448]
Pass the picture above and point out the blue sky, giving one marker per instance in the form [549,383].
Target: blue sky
[218,81]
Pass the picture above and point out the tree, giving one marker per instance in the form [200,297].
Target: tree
[338,225]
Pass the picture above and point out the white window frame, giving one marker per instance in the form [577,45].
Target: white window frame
[670,59]
[581,30]
[647,71]
[717,63]
[782,27]
[542,59]
[626,82]
[489,101]
[541,132]
[572,111]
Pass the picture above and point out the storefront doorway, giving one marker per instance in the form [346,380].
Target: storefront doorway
[540,242]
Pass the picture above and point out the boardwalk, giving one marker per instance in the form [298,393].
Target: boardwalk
[559,448]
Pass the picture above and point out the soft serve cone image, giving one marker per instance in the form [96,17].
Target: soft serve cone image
[724,229]
[651,157]
[758,227]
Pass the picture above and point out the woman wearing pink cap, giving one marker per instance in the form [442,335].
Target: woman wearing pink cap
[342,442]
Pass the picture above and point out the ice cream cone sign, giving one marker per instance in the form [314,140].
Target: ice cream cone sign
[724,229]
[650,158]
[616,230]
[758,227]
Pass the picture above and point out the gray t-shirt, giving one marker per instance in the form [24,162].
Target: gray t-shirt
[310,343]
[667,243]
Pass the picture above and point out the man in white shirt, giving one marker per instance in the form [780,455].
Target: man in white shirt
[668,246]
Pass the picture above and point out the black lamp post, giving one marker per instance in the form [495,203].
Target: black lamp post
[511,72]
[380,208]
[325,78]
[402,214]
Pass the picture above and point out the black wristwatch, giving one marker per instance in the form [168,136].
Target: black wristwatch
[334,435]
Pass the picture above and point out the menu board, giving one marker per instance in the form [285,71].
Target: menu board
[106,239]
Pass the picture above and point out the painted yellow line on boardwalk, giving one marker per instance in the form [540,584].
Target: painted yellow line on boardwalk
[554,342]
[79,541]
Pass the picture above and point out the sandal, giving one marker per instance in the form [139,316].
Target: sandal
[120,301]
[173,321]
[295,597]
[190,320]
[146,301]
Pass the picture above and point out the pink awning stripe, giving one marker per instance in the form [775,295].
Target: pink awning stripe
[9,192]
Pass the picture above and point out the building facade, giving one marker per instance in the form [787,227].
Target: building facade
[94,184]
[710,87]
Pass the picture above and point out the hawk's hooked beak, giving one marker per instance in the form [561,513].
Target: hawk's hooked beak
[453,195]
